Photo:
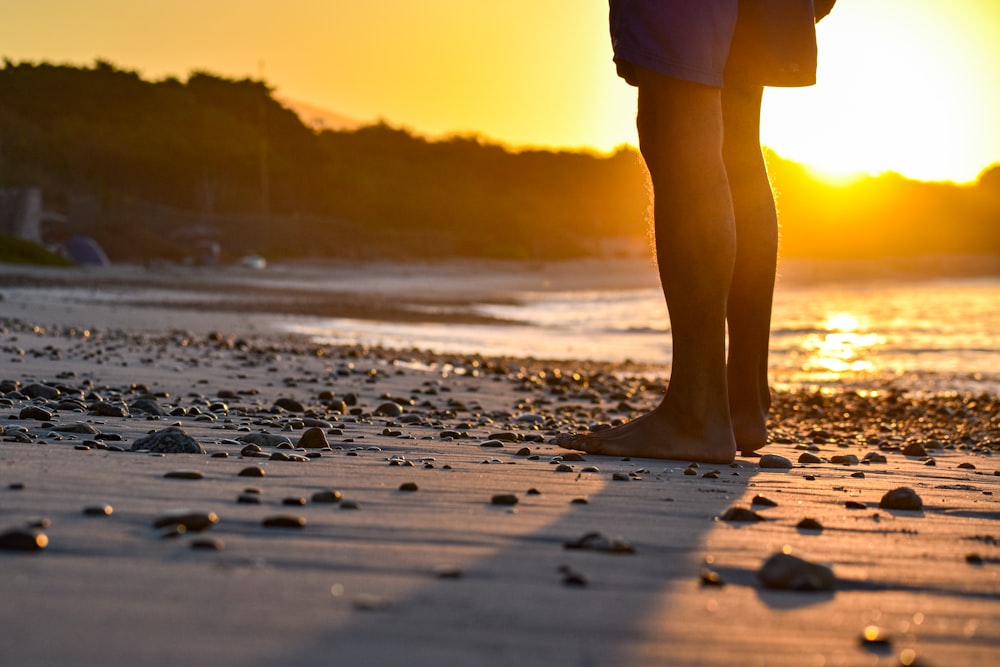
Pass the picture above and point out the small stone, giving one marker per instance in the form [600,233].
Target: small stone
[388,409]
[448,572]
[251,471]
[809,457]
[855,505]
[284,521]
[184,474]
[207,544]
[763,500]
[533,492]
[573,578]
[858,475]
[328,496]
[873,635]
[711,578]
[564,467]
[711,474]
[297,501]
[408,486]
[313,438]
[573,456]
[524,451]
[349,505]
[915,449]
[82,428]
[965,465]
[621,477]
[592,469]
[598,542]
[371,602]
[192,520]
[874,457]
[738,514]
[809,523]
[974,559]
[170,440]
[98,510]
[783,571]
[845,459]
[690,471]
[23,540]
[902,498]
[579,501]
[35,412]
[504,499]
[264,439]
[774,461]
[248,499]
[493,443]
[290,405]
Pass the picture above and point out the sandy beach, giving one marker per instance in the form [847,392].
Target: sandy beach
[365,506]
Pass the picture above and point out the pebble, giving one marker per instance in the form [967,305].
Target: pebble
[619,477]
[248,499]
[388,409]
[774,461]
[264,439]
[98,510]
[184,474]
[855,505]
[290,405]
[599,542]
[251,471]
[82,428]
[328,496]
[408,486]
[711,578]
[284,521]
[564,467]
[763,500]
[738,514]
[171,440]
[809,523]
[809,457]
[902,498]
[207,544]
[915,449]
[504,499]
[192,520]
[783,571]
[844,459]
[23,540]
[35,412]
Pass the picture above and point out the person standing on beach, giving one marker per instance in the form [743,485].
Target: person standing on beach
[700,68]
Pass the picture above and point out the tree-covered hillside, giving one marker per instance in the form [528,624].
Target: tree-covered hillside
[149,167]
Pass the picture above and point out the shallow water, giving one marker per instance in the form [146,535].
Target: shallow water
[938,335]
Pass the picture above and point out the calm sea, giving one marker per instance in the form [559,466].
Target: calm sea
[934,335]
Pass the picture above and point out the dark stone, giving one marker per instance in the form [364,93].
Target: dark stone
[284,521]
[170,440]
[774,461]
[504,499]
[35,412]
[602,543]
[740,515]
[313,438]
[23,540]
[290,404]
[902,498]
[787,572]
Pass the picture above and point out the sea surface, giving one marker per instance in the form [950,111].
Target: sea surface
[938,335]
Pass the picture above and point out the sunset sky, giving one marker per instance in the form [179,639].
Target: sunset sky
[911,86]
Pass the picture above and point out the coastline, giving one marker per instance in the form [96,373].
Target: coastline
[442,575]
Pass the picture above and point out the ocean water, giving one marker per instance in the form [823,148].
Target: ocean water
[935,335]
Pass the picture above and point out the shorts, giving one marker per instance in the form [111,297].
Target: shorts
[757,42]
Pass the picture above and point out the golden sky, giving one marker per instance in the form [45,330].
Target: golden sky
[911,86]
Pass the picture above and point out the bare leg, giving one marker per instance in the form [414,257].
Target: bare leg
[680,136]
[750,296]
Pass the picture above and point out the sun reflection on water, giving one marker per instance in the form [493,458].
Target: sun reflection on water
[844,346]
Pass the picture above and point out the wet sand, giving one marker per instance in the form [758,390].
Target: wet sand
[452,572]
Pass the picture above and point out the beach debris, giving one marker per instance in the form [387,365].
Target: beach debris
[737,514]
[504,499]
[184,474]
[774,461]
[600,542]
[23,540]
[193,520]
[901,498]
[171,440]
[313,438]
[284,521]
[785,571]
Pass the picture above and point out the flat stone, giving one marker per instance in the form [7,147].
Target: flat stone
[183,474]
[193,520]
[284,521]
[23,540]
[738,514]
[264,439]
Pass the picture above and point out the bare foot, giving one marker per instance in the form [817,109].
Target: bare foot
[749,429]
[657,436]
